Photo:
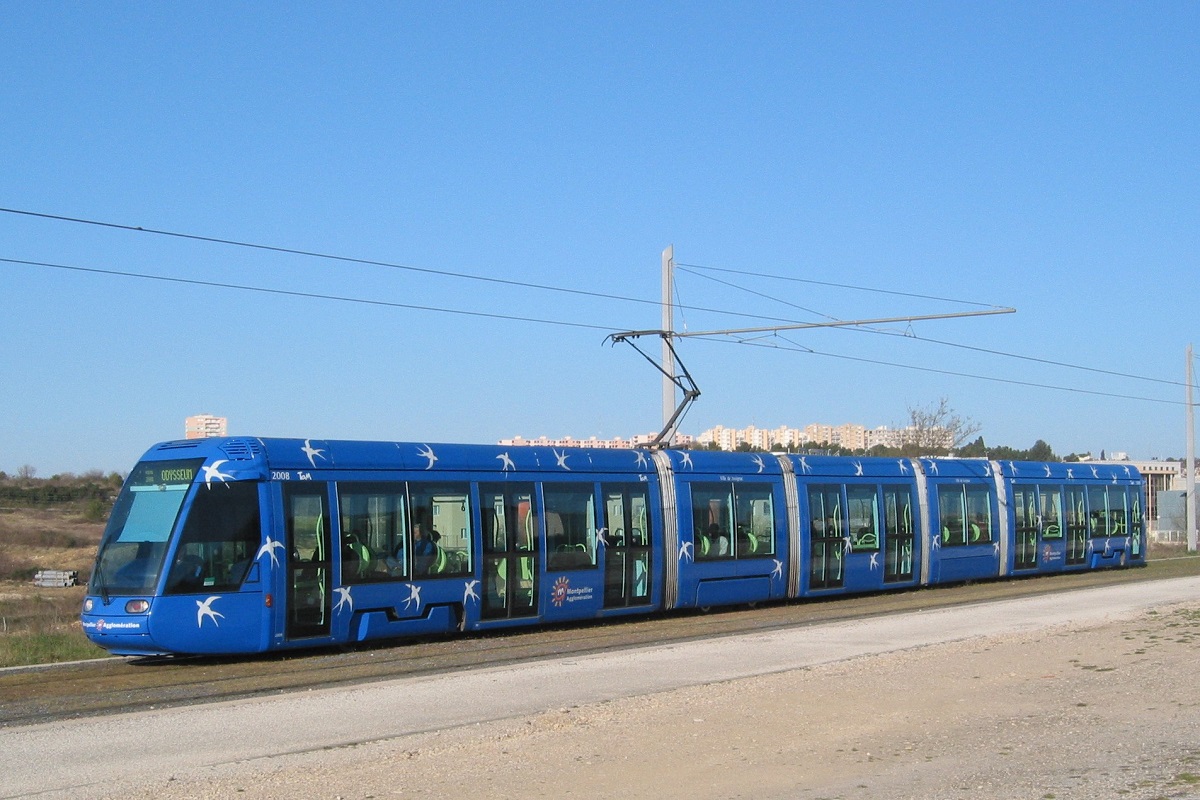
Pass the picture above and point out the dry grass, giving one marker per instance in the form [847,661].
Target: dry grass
[40,625]
[41,538]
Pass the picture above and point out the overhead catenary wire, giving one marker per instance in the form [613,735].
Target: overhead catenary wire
[874,290]
[366,262]
[758,341]
[908,334]
[307,295]
[690,268]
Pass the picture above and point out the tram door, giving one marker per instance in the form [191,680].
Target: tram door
[1025,508]
[899,533]
[627,572]
[1077,528]
[306,515]
[509,515]
[828,537]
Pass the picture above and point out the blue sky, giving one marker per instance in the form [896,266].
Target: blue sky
[1040,156]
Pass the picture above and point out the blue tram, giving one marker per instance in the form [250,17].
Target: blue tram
[242,545]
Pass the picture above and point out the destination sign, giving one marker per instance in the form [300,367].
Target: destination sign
[164,473]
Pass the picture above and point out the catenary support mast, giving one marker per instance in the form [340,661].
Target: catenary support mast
[1189,499]
[668,354]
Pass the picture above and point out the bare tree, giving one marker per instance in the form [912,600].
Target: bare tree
[936,429]
[26,472]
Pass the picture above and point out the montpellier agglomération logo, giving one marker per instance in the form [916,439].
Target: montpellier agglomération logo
[558,595]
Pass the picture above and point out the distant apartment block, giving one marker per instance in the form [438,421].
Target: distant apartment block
[641,440]
[203,426]
[852,437]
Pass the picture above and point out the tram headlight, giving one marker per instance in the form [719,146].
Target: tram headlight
[137,606]
[87,605]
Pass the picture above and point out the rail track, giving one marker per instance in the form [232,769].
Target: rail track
[112,685]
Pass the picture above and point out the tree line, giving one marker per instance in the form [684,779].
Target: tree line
[26,490]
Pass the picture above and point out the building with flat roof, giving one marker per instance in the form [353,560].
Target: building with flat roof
[202,426]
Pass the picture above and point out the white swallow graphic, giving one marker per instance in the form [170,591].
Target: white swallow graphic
[1071,474]
[344,598]
[847,545]
[641,459]
[205,609]
[426,452]
[1095,472]
[469,592]
[561,458]
[858,469]
[414,597]
[269,547]
[685,551]
[758,460]
[600,536]
[686,460]
[874,561]
[312,452]
[778,571]
[1047,470]
[213,472]
[933,467]
[903,466]
[506,462]
[804,467]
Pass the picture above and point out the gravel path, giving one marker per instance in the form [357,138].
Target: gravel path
[1104,706]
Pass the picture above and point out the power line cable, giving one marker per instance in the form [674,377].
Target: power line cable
[871,289]
[364,261]
[757,342]
[940,342]
[308,295]
[544,287]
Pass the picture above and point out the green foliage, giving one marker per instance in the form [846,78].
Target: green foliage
[23,649]
[30,492]
[44,629]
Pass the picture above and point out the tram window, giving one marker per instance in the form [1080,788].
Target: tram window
[733,520]
[828,520]
[898,512]
[440,529]
[1135,514]
[1025,508]
[712,520]
[863,504]
[1100,516]
[1050,505]
[306,524]
[622,530]
[373,541]
[965,515]
[570,527]
[220,540]
[1135,521]
[510,521]
[754,520]
[1076,515]
[1118,517]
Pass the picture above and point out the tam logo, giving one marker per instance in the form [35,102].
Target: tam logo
[558,594]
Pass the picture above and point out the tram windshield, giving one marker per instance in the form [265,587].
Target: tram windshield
[135,541]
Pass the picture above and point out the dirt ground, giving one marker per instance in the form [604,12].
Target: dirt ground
[1103,712]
